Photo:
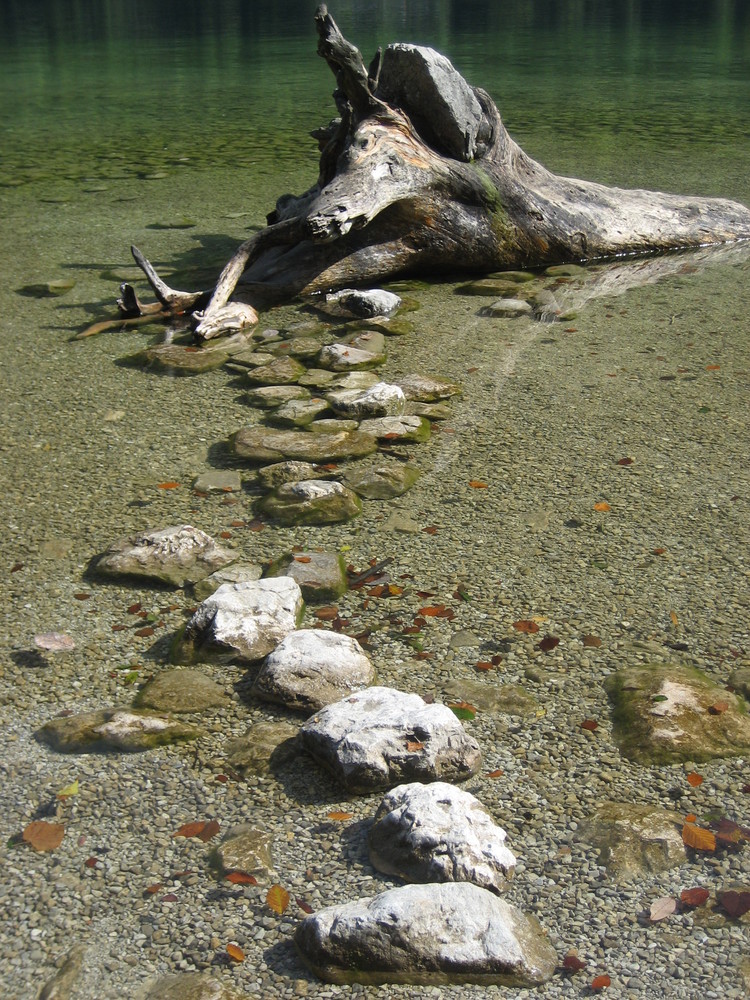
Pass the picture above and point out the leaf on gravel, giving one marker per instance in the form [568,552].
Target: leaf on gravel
[718,708]
[526,625]
[201,828]
[498,773]
[235,953]
[662,908]
[590,725]
[462,709]
[277,898]
[602,507]
[698,838]
[304,906]
[548,643]
[592,641]
[696,896]
[483,665]
[339,817]
[730,833]
[240,878]
[477,484]
[71,789]
[151,890]
[327,614]
[625,461]
[735,903]
[600,983]
[572,963]
[171,485]
[209,830]
[694,779]
[44,836]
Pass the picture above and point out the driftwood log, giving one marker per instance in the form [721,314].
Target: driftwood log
[418,176]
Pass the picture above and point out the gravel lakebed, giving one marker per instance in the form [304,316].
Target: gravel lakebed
[658,375]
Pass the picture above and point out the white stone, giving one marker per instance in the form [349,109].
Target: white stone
[177,555]
[362,304]
[343,357]
[311,668]
[382,737]
[451,931]
[380,400]
[439,833]
[247,619]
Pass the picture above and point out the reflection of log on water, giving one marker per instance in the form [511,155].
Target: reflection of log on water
[419,176]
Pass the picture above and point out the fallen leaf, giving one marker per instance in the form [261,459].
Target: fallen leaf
[71,789]
[694,779]
[496,659]
[432,611]
[730,833]
[44,836]
[201,828]
[658,552]
[495,774]
[625,461]
[592,641]
[600,983]
[277,898]
[698,838]
[339,817]
[712,368]
[602,506]
[572,963]
[304,906]
[134,608]
[240,878]
[718,708]
[483,665]
[691,818]
[327,614]
[413,746]
[225,534]
[735,903]
[303,559]
[16,567]
[696,896]
[54,642]
[590,725]
[662,908]
[209,830]
[430,530]
[462,709]
[145,632]
[673,616]
[170,897]
[477,484]
[235,953]
[83,596]
[171,485]
[151,890]
[526,625]
[91,862]
[548,643]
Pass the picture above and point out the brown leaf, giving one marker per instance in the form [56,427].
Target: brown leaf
[430,530]
[625,461]
[572,963]
[694,779]
[304,906]
[592,641]
[735,903]
[698,838]
[194,829]
[44,836]
[151,890]
[413,746]
[91,862]
[303,559]
[209,830]
[602,506]
[498,773]
[235,953]
[82,596]
[662,908]
[339,817]
[134,608]
[240,878]
[327,614]
[170,897]
[718,707]
[145,632]
[171,485]
[730,833]
[658,552]
[483,665]
[600,983]
[590,724]
[277,898]
[432,611]
[526,625]
[477,484]
[696,896]
[548,643]
[225,534]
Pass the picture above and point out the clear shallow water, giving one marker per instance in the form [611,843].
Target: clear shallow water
[121,120]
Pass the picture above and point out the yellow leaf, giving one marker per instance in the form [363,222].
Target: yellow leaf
[277,898]
[674,618]
[71,789]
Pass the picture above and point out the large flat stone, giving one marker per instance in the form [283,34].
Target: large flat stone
[177,555]
[311,501]
[269,444]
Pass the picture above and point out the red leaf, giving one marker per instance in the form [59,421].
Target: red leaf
[694,779]
[736,904]
[305,907]
[572,963]
[483,665]
[548,643]
[718,708]
[171,485]
[201,828]
[235,953]
[241,878]
[209,830]
[91,862]
[696,896]
[590,725]
[600,983]
[430,530]
[526,625]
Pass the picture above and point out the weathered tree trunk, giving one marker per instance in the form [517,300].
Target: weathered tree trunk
[418,175]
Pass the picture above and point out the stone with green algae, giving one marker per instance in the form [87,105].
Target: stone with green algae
[127,730]
[665,714]
[181,691]
[634,839]
[311,501]
[321,575]
[272,444]
[262,746]
[280,371]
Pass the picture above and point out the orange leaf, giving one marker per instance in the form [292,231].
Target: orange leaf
[526,625]
[600,983]
[482,665]
[167,486]
[495,774]
[674,618]
[694,779]
[241,878]
[433,611]
[235,953]
[151,890]
[590,725]
[694,897]
[327,614]
[691,818]
[209,830]
[414,745]
[477,484]
[339,817]
[698,838]
[194,829]
[712,368]
[303,559]
[277,898]
[44,836]
[718,707]
[602,506]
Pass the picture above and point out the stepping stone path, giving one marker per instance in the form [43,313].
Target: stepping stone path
[439,833]
[321,575]
[269,444]
[311,668]
[243,620]
[312,501]
[114,729]
[178,555]
[379,400]
[382,737]
[451,932]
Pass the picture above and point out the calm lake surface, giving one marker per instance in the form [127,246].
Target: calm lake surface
[175,126]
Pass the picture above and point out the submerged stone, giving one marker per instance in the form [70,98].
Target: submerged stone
[177,555]
[280,371]
[264,744]
[190,986]
[402,428]
[666,714]
[299,412]
[114,729]
[424,389]
[321,575]
[345,358]
[452,932]
[218,481]
[246,849]
[236,573]
[382,481]
[270,444]
[508,307]
[379,400]
[181,691]
[289,472]
[634,839]
[311,501]
[361,304]
[266,397]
